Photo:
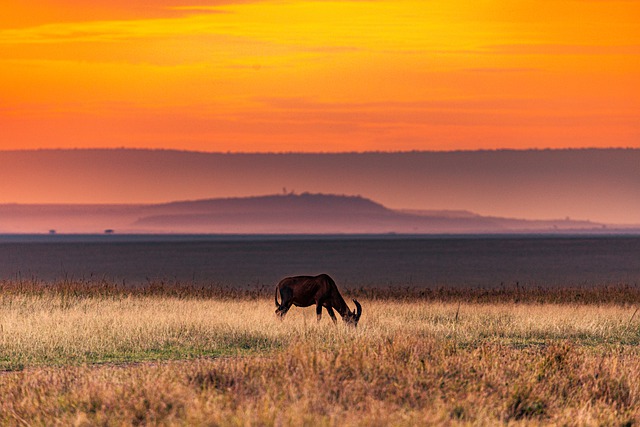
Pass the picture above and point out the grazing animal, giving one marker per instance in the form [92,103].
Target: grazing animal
[303,291]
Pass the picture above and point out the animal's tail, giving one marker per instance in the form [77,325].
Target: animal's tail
[276,297]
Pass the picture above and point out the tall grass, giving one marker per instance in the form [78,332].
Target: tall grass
[110,357]
[611,293]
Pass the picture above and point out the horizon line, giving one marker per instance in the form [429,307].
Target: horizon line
[178,150]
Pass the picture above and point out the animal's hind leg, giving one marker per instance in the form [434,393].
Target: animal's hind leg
[287,302]
[319,310]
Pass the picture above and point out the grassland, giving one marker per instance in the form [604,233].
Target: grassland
[97,354]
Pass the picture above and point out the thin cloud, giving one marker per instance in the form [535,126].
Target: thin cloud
[108,31]
[504,70]
[563,49]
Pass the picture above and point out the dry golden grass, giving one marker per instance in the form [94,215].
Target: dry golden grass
[190,359]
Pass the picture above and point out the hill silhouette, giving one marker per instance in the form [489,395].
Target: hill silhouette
[275,214]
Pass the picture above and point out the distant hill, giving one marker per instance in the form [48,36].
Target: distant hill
[288,213]
[600,185]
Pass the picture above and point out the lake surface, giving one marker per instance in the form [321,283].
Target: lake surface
[353,261]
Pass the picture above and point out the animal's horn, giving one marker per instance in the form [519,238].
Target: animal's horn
[358,309]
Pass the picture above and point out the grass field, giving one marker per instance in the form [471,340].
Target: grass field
[78,354]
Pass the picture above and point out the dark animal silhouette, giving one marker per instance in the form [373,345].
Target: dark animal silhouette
[303,291]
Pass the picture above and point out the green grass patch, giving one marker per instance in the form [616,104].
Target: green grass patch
[229,345]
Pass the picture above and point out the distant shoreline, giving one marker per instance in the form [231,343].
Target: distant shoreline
[173,237]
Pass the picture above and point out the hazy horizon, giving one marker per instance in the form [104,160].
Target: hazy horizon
[583,184]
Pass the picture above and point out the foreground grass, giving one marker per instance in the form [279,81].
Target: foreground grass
[217,361]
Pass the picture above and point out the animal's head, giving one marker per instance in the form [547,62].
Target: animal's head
[352,317]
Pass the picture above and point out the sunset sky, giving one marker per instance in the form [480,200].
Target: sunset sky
[218,75]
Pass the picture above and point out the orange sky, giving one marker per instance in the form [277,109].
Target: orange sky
[216,75]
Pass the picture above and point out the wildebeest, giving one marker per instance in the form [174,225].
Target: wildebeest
[303,291]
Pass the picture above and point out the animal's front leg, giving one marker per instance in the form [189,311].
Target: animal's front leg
[332,314]
[319,305]
[319,310]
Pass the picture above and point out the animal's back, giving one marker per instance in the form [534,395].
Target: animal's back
[303,291]
[307,281]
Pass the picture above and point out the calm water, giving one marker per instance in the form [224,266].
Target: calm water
[352,261]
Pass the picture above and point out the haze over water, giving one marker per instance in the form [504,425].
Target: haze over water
[353,261]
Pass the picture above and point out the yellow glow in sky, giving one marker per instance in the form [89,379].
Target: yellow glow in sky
[320,75]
